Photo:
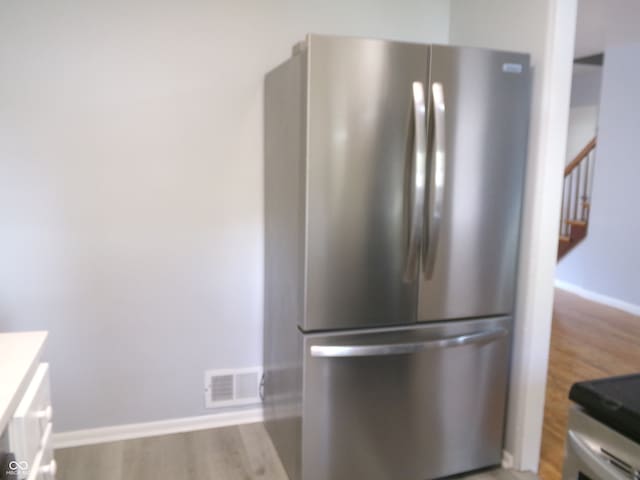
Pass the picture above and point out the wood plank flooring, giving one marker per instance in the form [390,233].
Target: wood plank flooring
[588,341]
[241,452]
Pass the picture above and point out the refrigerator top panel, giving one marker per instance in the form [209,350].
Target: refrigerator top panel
[479,106]
[363,99]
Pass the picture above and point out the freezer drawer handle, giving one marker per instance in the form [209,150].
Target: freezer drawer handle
[417,187]
[438,171]
[589,458]
[406,348]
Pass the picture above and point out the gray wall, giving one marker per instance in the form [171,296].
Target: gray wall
[585,104]
[608,260]
[131,186]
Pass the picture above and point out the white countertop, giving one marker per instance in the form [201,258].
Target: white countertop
[19,357]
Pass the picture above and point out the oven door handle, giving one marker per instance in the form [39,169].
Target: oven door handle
[590,459]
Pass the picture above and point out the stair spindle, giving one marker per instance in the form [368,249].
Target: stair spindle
[587,182]
[569,200]
[576,192]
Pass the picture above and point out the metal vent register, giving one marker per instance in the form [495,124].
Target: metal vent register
[232,387]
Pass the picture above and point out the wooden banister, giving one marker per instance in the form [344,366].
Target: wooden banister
[576,199]
[581,156]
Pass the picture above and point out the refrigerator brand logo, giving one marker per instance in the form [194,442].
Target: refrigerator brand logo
[512,68]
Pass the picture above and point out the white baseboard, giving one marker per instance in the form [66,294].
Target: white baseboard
[150,429]
[507,460]
[599,298]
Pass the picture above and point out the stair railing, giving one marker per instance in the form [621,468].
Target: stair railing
[578,184]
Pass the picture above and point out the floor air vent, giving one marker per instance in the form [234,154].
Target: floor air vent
[225,388]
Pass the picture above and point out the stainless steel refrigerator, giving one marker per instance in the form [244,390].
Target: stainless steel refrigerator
[393,190]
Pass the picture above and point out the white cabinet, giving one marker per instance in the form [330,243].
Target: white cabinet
[30,428]
[44,465]
[25,408]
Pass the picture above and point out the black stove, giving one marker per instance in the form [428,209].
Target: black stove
[613,401]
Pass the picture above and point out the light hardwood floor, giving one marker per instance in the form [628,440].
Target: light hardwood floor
[588,341]
[243,452]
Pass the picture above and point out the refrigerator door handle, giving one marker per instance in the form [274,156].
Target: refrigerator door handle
[406,348]
[438,174]
[417,187]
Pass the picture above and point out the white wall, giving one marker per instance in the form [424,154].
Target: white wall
[585,102]
[606,23]
[131,186]
[607,262]
[546,30]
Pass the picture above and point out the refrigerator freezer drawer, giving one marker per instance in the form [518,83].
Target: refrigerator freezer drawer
[410,403]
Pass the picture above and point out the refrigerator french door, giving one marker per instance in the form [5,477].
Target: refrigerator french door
[393,185]
[475,183]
